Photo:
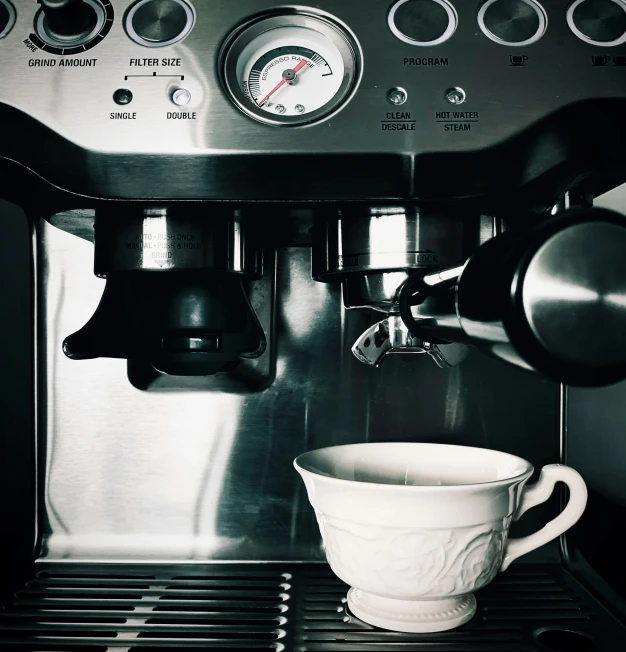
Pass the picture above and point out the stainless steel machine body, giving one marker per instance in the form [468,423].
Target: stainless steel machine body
[145,511]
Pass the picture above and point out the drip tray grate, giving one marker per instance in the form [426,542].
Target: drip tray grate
[299,607]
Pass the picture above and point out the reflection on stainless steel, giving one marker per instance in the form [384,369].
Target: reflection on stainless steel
[152,155]
[549,310]
[575,286]
[436,318]
[373,252]
[392,336]
[443,277]
[387,239]
[159,239]
[77,222]
[198,475]
[386,337]
[549,297]
[373,290]
[447,355]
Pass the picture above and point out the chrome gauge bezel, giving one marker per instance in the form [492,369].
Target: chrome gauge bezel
[340,38]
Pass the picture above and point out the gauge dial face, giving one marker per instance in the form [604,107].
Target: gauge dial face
[290,70]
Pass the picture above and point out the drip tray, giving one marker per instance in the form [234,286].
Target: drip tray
[292,607]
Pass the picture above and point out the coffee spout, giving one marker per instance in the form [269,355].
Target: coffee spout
[391,336]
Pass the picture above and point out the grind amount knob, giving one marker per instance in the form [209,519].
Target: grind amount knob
[7,17]
[68,20]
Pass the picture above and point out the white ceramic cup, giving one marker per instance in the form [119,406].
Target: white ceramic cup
[414,529]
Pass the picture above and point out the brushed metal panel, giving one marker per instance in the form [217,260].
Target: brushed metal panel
[196,475]
[207,154]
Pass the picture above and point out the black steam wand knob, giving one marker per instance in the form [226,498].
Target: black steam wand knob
[68,19]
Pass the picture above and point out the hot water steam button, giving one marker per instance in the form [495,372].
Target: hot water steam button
[7,17]
[598,22]
[422,22]
[512,22]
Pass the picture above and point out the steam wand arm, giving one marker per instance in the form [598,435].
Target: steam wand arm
[419,287]
[402,333]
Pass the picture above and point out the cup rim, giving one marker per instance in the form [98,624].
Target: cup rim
[299,464]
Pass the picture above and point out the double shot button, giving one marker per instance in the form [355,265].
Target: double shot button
[598,22]
[423,22]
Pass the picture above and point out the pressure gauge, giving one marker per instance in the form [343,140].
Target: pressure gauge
[290,70]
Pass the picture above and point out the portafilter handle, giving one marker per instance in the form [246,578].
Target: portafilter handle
[549,297]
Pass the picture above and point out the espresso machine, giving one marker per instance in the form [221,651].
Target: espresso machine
[235,232]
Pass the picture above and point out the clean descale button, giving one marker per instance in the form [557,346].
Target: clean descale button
[181,97]
[423,22]
[599,22]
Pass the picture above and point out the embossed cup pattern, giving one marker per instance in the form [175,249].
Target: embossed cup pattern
[411,563]
[414,529]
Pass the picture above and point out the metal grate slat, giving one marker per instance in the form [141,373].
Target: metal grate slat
[280,607]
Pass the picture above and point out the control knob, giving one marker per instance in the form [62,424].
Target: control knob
[7,17]
[68,20]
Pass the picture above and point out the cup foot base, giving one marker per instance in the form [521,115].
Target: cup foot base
[412,616]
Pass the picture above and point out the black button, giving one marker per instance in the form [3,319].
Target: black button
[160,21]
[602,21]
[512,21]
[421,20]
[122,96]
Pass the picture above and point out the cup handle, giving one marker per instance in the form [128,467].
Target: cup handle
[539,493]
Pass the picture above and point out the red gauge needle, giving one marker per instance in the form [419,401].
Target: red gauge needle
[282,82]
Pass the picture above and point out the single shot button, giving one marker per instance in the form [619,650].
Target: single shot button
[512,22]
[122,96]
